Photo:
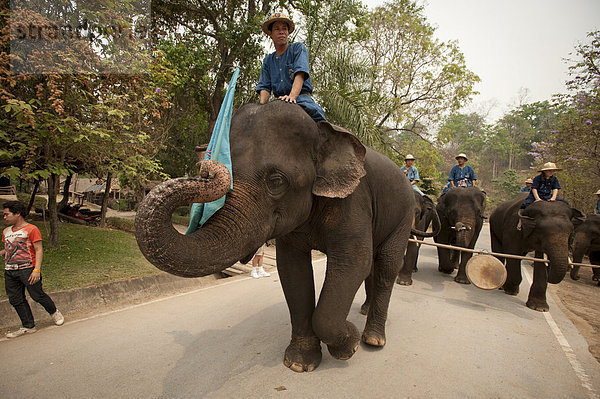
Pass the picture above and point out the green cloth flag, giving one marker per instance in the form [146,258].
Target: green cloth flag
[217,150]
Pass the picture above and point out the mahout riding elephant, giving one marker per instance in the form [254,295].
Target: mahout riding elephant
[461,215]
[311,186]
[425,214]
[546,227]
[587,242]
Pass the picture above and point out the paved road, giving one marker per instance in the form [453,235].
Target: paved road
[445,340]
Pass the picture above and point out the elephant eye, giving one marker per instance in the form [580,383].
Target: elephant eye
[277,183]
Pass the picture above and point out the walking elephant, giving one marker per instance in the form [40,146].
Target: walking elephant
[425,214]
[461,215]
[546,227]
[311,186]
[587,242]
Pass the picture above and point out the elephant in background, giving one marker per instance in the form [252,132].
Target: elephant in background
[425,214]
[546,228]
[461,215]
[587,242]
[310,186]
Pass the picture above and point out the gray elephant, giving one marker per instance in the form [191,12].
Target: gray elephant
[587,242]
[425,214]
[461,215]
[311,186]
[546,227]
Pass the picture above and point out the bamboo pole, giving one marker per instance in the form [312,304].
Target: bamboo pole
[485,252]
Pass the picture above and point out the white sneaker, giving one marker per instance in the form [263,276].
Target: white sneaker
[21,331]
[58,318]
[254,274]
[263,273]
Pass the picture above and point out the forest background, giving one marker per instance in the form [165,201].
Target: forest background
[127,90]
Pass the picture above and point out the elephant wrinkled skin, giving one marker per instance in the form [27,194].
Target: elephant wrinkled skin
[311,186]
[546,227]
[461,215]
[587,242]
[425,214]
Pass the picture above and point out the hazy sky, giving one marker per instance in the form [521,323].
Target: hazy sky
[513,44]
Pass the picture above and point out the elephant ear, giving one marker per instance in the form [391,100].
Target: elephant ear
[340,162]
[577,217]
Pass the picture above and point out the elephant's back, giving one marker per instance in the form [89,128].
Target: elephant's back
[503,211]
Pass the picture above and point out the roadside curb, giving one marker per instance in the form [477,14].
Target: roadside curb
[105,295]
[95,297]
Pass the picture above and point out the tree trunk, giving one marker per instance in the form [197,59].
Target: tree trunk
[53,183]
[65,199]
[105,199]
[33,193]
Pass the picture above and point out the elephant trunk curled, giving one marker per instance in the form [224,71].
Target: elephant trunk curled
[225,238]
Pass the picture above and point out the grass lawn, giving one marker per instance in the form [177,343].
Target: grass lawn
[88,256]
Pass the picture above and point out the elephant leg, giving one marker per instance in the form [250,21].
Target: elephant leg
[409,264]
[513,276]
[461,276]
[454,258]
[575,273]
[445,265]
[296,275]
[347,268]
[364,309]
[537,292]
[595,260]
[388,262]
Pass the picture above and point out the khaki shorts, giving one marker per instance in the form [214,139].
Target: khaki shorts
[261,251]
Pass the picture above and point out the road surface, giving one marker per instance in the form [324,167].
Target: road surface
[444,340]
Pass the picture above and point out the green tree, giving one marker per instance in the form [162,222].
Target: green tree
[580,119]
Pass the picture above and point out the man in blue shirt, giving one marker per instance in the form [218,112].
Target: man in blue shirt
[462,175]
[597,209]
[411,172]
[527,187]
[285,72]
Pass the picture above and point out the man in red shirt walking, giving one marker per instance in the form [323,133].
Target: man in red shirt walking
[23,252]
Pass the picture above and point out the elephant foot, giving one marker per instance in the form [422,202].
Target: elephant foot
[538,304]
[575,275]
[303,354]
[462,279]
[445,271]
[373,338]
[347,346]
[510,291]
[364,309]
[404,280]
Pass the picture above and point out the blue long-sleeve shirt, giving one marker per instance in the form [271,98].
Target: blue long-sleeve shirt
[278,73]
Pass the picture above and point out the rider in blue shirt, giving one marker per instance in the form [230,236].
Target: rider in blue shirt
[597,209]
[527,187]
[285,72]
[462,175]
[411,172]
[544,188]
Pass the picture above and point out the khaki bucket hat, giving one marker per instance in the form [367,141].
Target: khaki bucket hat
[549,166]
[461,155]
[409,156]
[278,16]
[598,192]
[529,180]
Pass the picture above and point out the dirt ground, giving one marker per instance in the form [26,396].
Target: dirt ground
[580,300]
